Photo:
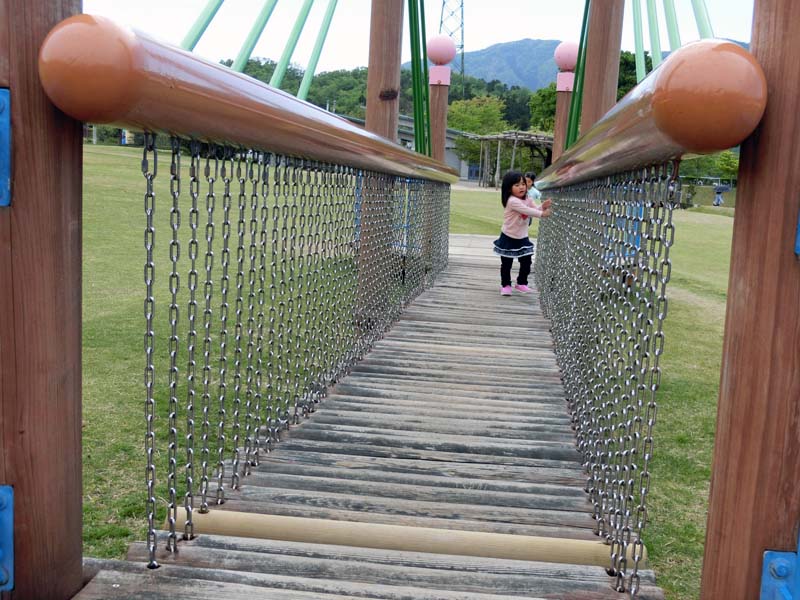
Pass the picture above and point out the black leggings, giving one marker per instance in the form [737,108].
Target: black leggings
[505,270]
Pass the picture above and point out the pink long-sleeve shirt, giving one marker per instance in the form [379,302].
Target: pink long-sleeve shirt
[515,216]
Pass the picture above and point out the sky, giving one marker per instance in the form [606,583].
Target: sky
[486,22]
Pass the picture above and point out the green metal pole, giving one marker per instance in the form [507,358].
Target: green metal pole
[291,44]
[672,25]
[701,17]
[655,38]
[312,63]
[252,37]
[638,40]
[576,102]
[425,80]
[416,68]
[200,25]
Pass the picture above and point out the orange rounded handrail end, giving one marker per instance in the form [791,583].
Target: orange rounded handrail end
[709,96]
[90,85]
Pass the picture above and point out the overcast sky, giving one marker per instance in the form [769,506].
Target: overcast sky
[486,22]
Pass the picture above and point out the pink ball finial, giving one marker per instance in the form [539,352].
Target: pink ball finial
[566,56]
[441,49]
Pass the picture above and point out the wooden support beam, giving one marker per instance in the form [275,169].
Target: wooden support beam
[601,74]
[755,499]
[383,75]
[438,95]
[40,314]
[562,117]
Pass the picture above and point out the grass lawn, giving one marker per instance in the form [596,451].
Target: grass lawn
[113,395]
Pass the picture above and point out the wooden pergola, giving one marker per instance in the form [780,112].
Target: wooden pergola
[540,144]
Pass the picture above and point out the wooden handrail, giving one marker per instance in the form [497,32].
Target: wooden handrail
[97,71]
[706,97]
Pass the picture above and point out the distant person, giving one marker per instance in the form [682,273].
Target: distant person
[533,193]
[718,200]
[513,241]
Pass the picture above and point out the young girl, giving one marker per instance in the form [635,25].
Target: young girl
[513,241]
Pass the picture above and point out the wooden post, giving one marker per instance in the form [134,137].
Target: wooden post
[480,166]
[441,50]
[497,176]
[383,75]
[566,56]
[601,75]
[755,499]
[40,314]
[513,152]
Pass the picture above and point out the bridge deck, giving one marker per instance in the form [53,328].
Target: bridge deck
[455,421]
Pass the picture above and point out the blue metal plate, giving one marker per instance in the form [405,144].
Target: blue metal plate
[6,538]
[5,147]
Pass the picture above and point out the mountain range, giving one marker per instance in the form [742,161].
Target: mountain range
[526,63]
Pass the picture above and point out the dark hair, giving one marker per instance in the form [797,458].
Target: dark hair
[530,175]
[509,179]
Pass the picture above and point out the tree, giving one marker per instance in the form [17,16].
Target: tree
[518,108]
[627,71]
[482,115]
[543,108]
[728,165]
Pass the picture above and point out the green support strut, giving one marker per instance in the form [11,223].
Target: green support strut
[672,25]
[200,25]
[252,37]
[638,41]
[576,102]
[312,63]
[701,17]
[655,39]
[291,43]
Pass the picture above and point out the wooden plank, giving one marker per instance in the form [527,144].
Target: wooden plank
[498,397]
[454,564]
[314,500]
[483,385]
[170,581]
[375,408]
[431,424]
[550,499]
[450,430]
[308,445]
[325,511]
[40,300]
[161,584]
[382,578]
[439,470]
[441,479]
[754,501]
[446,444]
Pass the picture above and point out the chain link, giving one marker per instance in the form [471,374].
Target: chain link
[174,313]
[316,261]
[602,267]
[150,156]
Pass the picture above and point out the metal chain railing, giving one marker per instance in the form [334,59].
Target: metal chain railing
[305,266]
[602,268]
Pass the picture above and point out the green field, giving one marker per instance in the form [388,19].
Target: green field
[113,395]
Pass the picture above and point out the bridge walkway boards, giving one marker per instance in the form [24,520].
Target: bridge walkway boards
[455,421]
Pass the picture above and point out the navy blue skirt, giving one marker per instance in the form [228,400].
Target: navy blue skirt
[512,247]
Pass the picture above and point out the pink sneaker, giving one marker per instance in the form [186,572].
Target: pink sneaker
[521,287]
[505,290]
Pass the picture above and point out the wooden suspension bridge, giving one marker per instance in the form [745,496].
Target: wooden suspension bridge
[455,422]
